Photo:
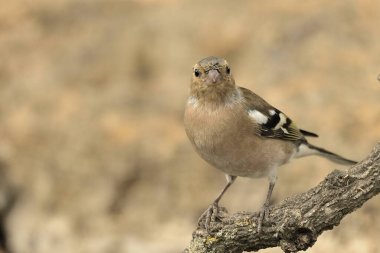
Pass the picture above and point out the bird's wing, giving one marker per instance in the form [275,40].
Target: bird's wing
[272,123]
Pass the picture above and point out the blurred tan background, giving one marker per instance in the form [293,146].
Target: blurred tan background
[93,155]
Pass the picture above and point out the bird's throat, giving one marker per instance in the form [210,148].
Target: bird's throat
[216,95]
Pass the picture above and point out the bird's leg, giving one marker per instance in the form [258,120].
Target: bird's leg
[264,209]
[211,214]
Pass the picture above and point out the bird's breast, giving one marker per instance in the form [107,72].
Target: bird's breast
[211,130]
[226,139]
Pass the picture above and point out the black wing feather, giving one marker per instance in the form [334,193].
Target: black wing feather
[287,130]
[307,133]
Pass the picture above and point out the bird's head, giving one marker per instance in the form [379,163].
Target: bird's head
[212,75]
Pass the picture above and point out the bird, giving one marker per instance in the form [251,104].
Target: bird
[238,132]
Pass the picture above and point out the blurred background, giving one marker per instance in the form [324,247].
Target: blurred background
[93,154]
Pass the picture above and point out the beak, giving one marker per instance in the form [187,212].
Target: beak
[213,75]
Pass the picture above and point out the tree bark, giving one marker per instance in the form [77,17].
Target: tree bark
[295,223]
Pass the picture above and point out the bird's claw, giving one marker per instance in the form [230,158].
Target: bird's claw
[263,214]
[210,215]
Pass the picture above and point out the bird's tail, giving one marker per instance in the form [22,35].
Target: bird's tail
[306,149]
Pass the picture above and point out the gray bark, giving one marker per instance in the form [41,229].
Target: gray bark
[295,223]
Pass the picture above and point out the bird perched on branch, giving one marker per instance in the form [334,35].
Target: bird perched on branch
[239,133]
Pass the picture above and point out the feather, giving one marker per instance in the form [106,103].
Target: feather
[307,133]
[272,122]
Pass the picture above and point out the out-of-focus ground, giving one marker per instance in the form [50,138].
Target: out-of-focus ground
[93,153]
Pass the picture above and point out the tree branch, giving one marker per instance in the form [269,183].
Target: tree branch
[295,223]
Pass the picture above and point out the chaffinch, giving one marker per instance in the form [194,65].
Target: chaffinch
[239,133]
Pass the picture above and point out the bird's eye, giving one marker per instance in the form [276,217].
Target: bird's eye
[228,70]
[197,73]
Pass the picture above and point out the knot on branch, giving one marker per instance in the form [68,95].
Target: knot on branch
[297,239]
[338,179]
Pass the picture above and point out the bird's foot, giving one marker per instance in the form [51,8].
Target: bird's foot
[210,215]
[263,214]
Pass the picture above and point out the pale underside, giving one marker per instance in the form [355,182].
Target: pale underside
[231,143]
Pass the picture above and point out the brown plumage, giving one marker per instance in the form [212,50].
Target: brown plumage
[238,132]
